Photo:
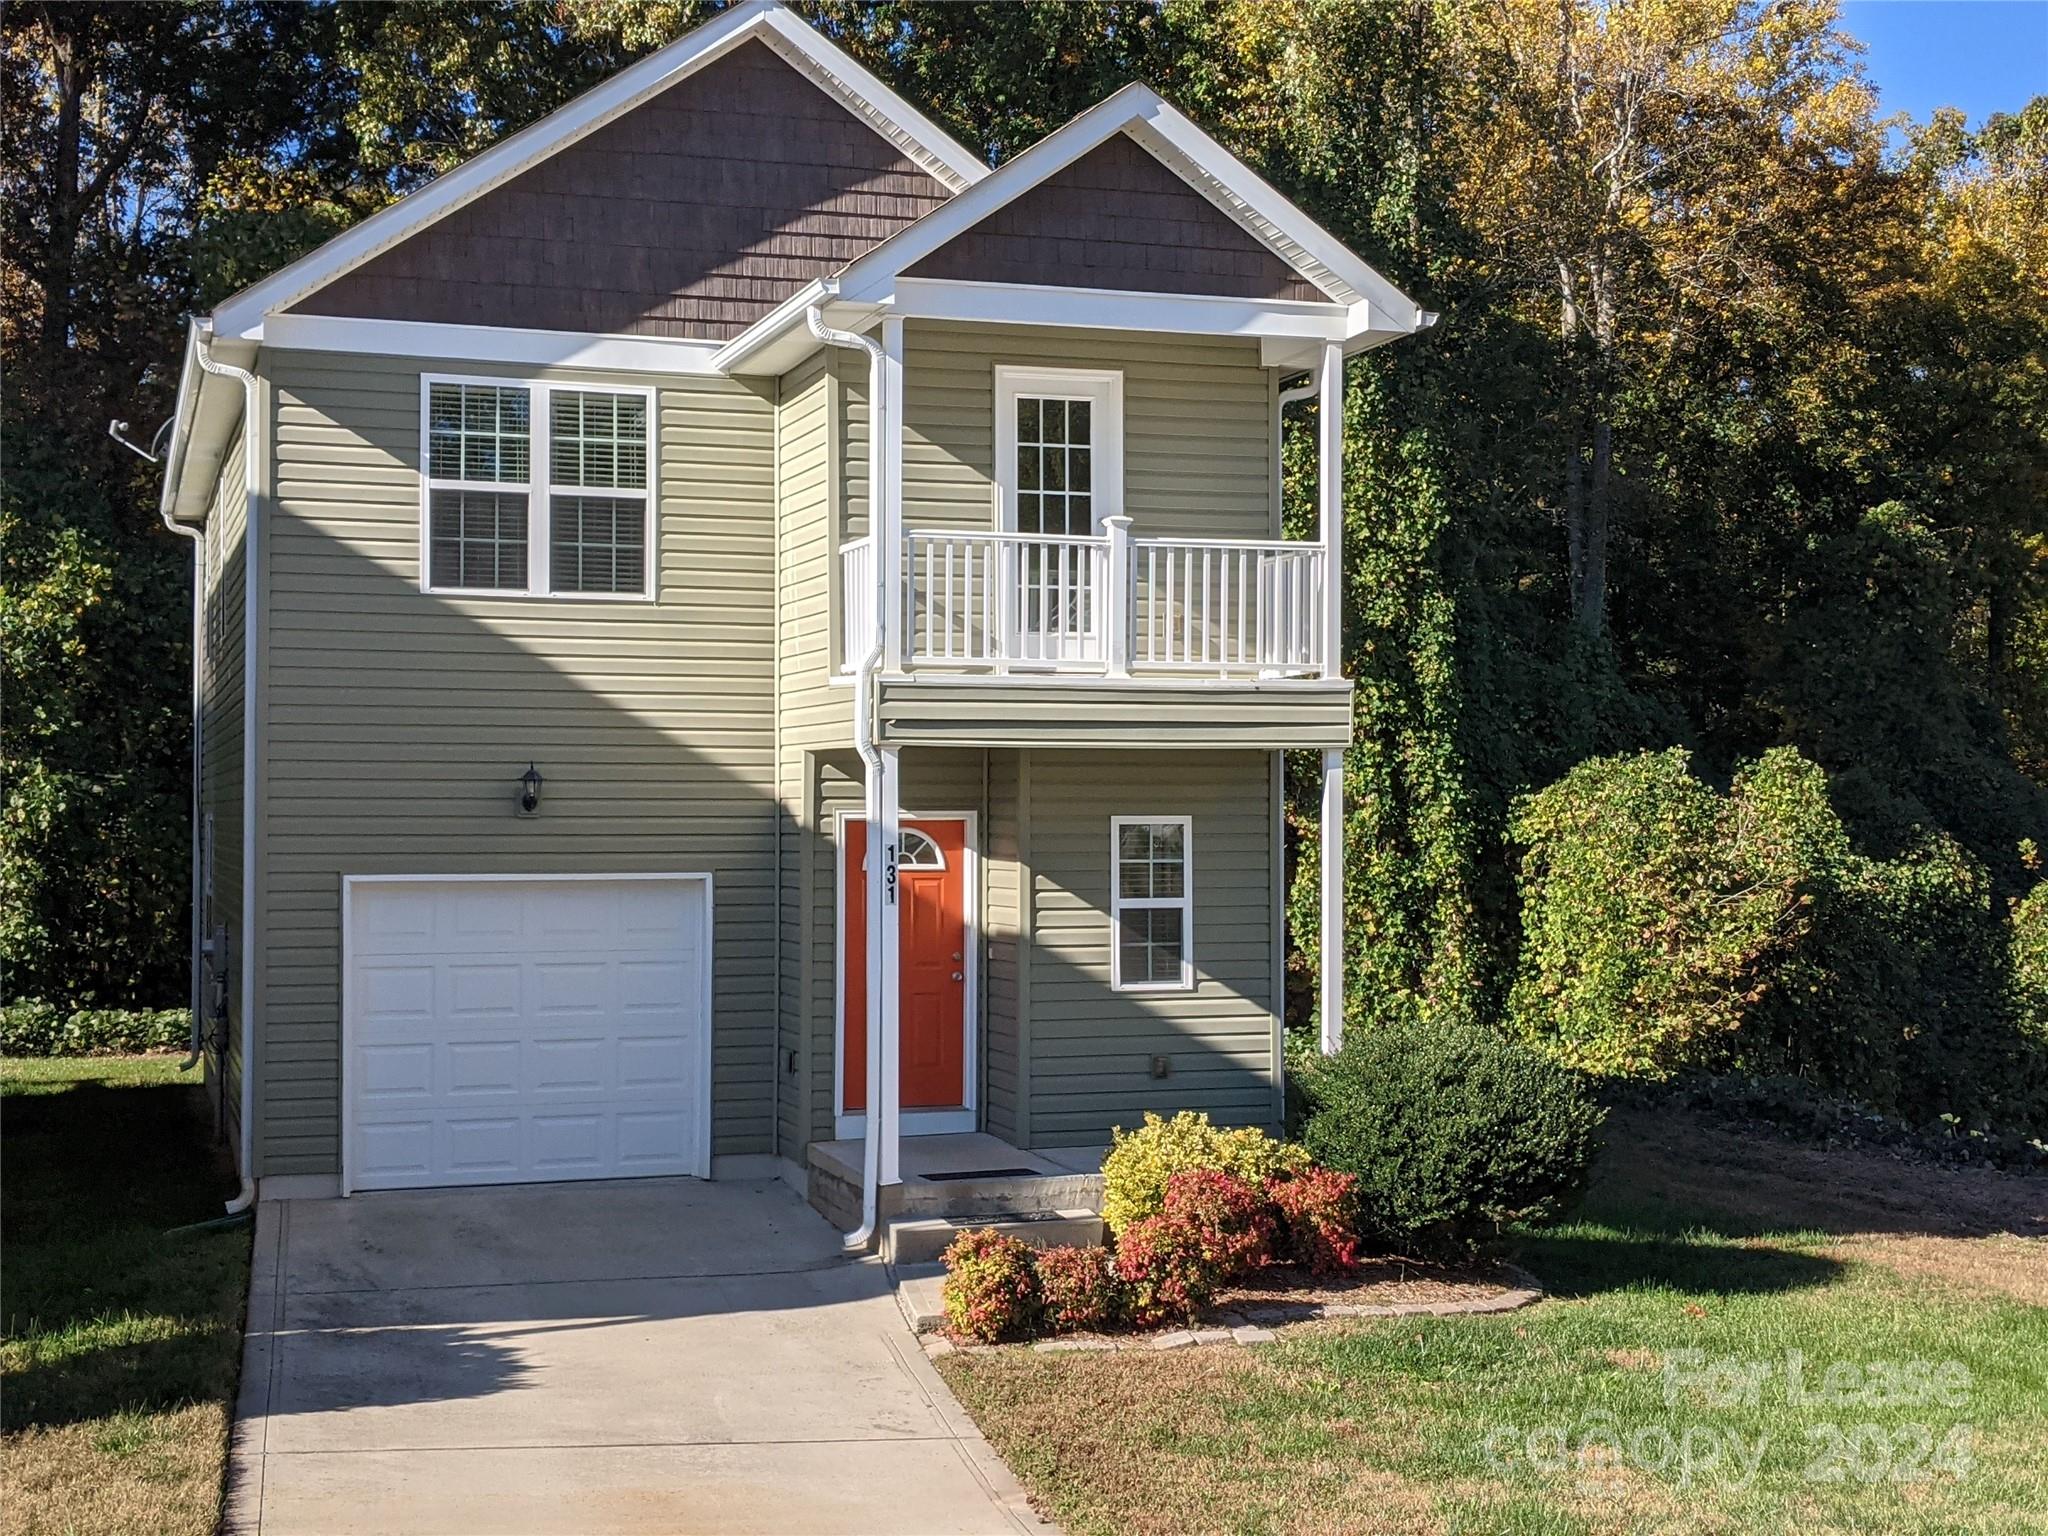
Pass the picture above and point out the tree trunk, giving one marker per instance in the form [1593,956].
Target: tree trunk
[74,78]
[1589,588]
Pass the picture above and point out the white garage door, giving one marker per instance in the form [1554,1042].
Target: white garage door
[514,1031]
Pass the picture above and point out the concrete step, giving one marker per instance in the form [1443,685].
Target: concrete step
[920,1292]
[912,1240]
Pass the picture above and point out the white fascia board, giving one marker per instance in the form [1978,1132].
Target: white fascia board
[207,410]
[1117,309]
[948,161]
[189,375]
[488,344]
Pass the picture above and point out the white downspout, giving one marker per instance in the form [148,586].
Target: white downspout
[251,444]
[858,1240]
[198,538]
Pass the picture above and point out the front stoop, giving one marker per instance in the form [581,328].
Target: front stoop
[952,1182]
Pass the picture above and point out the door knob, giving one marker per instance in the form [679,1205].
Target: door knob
[957,976]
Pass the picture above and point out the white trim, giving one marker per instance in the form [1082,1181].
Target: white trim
[1330,934]
[1184,904]
[1103,388]
[1163,132]
[540,490]
[1195,683]
[1116,309]
[913,1122]
[950,162]
[349,883]
[489,344]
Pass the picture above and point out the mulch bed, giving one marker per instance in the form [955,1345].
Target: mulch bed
[1247,1311]
[1378,1282]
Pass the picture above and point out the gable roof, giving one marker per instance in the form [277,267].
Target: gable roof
[1163,130]
[919,139]
[1119,218]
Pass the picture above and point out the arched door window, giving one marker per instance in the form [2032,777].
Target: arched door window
[917,851]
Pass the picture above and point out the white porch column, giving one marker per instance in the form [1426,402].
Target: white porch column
[1330,502]
[1332,978]
[885,1012]
[1118,610]
[885,514]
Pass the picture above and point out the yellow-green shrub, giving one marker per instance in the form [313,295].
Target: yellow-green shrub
[1139,1163]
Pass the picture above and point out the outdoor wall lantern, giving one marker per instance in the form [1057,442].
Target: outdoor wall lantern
[529,790]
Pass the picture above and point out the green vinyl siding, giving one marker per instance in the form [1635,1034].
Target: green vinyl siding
[222,699]
[1091,1048]
[1198,425]
[398,722]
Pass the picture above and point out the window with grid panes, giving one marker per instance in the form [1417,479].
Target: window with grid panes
[1151,904]
[597,491]
[486,461]
[479,474]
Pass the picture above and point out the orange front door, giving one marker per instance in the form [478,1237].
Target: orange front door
[932,972]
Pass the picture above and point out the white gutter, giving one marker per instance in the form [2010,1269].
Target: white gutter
[857,1241]
[251,443]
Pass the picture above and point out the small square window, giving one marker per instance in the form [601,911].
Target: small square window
[478,540]
[597,544]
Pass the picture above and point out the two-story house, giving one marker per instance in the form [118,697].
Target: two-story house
[732,629]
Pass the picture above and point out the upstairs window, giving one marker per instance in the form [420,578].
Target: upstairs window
[1152,904]
[537,489]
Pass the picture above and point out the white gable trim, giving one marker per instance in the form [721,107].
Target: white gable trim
[488,344]
[1117,309]
[1185,149]
[820,60]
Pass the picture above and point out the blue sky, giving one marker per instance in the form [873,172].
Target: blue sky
[1984,56]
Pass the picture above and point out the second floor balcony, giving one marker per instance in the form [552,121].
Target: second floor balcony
[1113,605]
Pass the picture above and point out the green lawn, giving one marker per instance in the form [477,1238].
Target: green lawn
[120,1341]
[1505,1424]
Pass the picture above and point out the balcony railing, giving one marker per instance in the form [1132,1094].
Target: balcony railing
[1108,604]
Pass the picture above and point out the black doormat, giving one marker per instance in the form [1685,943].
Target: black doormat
[980,1173]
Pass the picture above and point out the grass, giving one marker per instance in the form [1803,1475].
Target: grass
[1512,1424]
[120,1340]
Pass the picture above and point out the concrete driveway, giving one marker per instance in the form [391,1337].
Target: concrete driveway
[657,1355]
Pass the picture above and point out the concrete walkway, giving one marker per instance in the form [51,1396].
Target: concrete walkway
[656,1355]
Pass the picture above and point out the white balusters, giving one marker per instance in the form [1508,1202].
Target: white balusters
[856,601]
[977,601]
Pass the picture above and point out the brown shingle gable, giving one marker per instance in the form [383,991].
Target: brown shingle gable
[692,215]
[1118,218]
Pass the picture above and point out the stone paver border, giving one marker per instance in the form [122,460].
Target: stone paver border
[1254,1324]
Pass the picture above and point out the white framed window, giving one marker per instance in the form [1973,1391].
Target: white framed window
[536,489]
[1151,903]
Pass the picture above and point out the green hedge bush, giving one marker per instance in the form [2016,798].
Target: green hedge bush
[1139,1163]
[1451,1130]
[1671,927]
[34,1028]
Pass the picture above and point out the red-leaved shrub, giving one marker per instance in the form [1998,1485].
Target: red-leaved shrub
[1166,1269]
[1231,1217]
[1318,1219]
[1079,1287]
[991,1291]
